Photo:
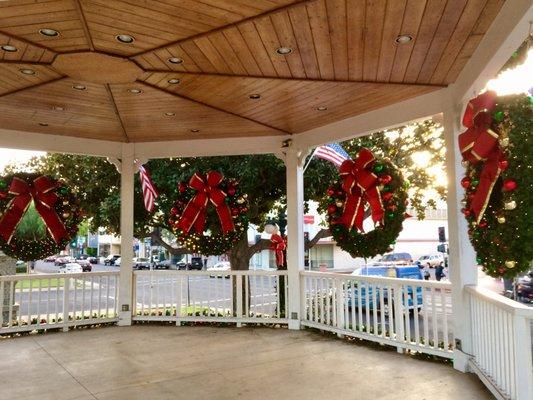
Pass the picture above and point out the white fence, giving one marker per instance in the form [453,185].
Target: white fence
[406,313]
[501,344]
[48,301]
[211,296]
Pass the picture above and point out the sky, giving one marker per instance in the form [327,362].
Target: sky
[10,156]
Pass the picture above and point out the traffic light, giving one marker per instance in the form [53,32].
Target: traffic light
[441,248]
[442,234]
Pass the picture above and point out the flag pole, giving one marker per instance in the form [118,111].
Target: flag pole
[309,161]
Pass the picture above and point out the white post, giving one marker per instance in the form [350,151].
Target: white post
[462,260]
[295,231]
[126,234]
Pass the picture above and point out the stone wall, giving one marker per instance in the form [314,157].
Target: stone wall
[7,267]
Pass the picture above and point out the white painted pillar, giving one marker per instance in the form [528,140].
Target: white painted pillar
[463,268]
[295,231]
[126,234]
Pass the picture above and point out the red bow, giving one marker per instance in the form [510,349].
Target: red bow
[360,185]
[479,143]
[278,245]
[207,191]
[41,191]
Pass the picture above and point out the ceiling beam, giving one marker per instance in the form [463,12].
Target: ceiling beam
[507,32]
[221,28]
[181,96]
[83,20]
[32,86]
[210,74]
[28,42]
[117,113]
[394,115]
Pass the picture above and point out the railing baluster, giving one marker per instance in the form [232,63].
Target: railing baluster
[375,289]
[415,314]
[434,319]
[2,303]
[444,319]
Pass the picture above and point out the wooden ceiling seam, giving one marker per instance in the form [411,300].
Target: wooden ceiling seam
[23,62]
[181,96]
[32,86]
[159,71]
[117,113]
[84,24]
[223,27]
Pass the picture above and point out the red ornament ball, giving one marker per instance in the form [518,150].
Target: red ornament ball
[466,212]
[231,191]
[387,196]
[234,211]
[509,185]
[332,208]
[330,192]
[182,187]
[3,195]
[385,179]
[466,182]
[503,164]
[483,224]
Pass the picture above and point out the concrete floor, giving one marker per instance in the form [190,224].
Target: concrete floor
[165,362]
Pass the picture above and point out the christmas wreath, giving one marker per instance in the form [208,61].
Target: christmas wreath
[58,209]
[366,181]
[204,229]
[498,204]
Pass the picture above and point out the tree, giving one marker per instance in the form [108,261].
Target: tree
[261,176]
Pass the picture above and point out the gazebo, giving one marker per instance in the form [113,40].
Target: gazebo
[137,80]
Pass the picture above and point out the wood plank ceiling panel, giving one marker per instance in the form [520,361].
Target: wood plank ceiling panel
[155,115]
[12,79]
[24,51]
[25,20]
[339,40]
[65,111]
[287,105]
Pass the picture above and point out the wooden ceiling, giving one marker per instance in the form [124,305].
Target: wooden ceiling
[344,61]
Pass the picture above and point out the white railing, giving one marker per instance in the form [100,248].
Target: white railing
[406,313]
[48,301]
[211,296]
[501,343]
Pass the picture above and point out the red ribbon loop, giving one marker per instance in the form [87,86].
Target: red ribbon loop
[479,143]
[41,191]
[195,213]
[361,186]
[278,245]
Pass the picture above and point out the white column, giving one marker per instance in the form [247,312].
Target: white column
[126,234]
[463,268]
[295,231]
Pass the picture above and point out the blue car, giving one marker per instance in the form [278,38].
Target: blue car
[405,272]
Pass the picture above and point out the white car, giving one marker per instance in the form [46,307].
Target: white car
[221,266]
[431,260]
[71,268]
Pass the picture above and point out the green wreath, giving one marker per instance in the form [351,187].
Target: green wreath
[502,235]
[50,204]
[392,192]
[210,214]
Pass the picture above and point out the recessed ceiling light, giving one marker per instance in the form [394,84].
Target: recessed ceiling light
[125,38]
[321,108]
[173,81]
[255,96]
[195,130]
[27,71]
[9,48]
[43,124]
[49,32]
[284,50]
[79,87]
[175,60]
[58,108]
[135,91]
[402,39]
[169,114]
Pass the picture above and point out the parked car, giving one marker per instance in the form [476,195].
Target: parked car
[196,263]
[117,262]
[85,265]
[397,259]
[64,260]
[524,288]
[431,260]
[141,263]
[165,264]
[182,265]
[110,259]
[70,268]
[93,260]
[51,258]
[221,266]
[403,272]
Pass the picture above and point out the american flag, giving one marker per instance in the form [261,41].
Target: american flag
[332,152]
[149,191]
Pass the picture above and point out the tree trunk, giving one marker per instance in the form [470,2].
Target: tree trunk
[240,254]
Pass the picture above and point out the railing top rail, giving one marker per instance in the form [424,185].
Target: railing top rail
[379,279]
[500,301]
[210,273]
[20,277]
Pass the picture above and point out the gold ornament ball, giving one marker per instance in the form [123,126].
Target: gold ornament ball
[510,205]
[510,263]
[339,203]
[240,200]
[501,220]
[464,163]
[65,202]
[66,215]
[504,142]
[245,195]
